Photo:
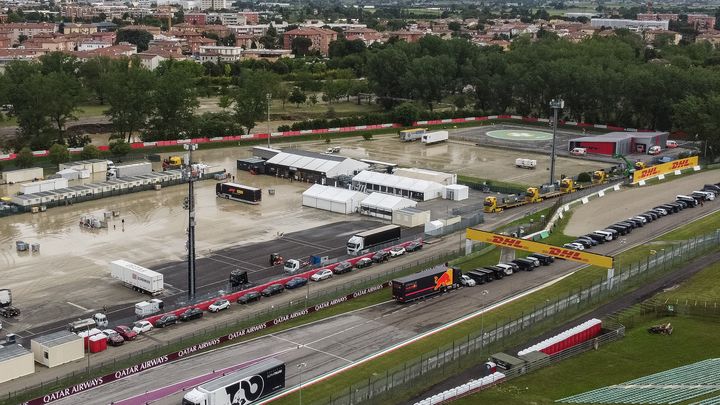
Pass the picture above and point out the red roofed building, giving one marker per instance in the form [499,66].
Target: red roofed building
[251,17]
[28,29]
[367,35]
[319,37]
[196,19]
[407,36]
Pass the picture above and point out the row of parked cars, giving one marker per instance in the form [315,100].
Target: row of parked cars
[612,232]
[489,273]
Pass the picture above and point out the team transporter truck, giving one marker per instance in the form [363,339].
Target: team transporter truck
[245,386]
[374,237]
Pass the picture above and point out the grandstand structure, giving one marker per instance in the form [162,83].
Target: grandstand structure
[668,387]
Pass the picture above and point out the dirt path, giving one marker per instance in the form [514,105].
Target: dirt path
[617,206]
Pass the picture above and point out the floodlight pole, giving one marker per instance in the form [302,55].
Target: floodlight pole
[555,104]
[191,222]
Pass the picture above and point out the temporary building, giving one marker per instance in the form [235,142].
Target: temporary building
[57,348]
[414,189]
[333,199]
[429,175]
[69,174]
[311,166]
[44,185]
[17,176]
[456,192]
[383,205]
[92,165]
[15,361]
[410,217]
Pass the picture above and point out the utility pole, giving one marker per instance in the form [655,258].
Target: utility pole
[190,206]
[269,99]
[555,104]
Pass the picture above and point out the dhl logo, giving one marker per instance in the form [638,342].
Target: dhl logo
[446,280]
[649,172]
[678,164]
[509,242]
[565,253]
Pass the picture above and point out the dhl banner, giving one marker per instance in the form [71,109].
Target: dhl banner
[536,247]
[664,168]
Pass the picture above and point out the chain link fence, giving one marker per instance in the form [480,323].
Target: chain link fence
[407,378]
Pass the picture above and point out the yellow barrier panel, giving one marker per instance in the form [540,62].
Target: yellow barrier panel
[536,247]
[665,168]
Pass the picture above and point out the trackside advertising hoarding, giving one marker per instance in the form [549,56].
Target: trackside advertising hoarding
[536,247]
[665,168]
[188,351]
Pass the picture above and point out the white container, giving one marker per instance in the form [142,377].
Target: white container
[456,192]
[17,176]
[133,169]
[45,185]
[435,137]
[137,277]
[525,163]
[70,174]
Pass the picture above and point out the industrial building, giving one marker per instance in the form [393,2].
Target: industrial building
[252,164]
[429,175]
[381,205]
[334,199]
[57,348]
[623,143]
[311,167]
[414,189]
[15,361]
[634,25]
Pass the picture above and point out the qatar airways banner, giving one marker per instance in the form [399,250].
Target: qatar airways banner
[194,349]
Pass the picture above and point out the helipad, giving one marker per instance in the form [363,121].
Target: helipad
[520,135]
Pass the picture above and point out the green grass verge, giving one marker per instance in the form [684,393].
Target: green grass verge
[637,355]
[693,229]
[703,286]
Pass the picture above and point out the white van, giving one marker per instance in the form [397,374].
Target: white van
[508,269]
[671,144]
[578,152]
[608,236]
[709,196]
[654,150]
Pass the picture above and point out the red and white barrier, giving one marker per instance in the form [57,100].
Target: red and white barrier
[256,137]
[581,333]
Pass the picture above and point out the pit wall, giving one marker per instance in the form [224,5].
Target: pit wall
[289,134]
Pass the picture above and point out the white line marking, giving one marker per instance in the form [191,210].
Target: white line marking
[78,306]
[300,346]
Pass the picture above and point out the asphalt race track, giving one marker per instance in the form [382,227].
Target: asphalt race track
[332,343]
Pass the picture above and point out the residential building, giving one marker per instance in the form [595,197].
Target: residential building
[5,39]
[701,21]
[166,47]
[635,25]
[92,45]
[196,18]
[116,51]
[712,37]
[213,5]
[3,18]
[407,35]
[151,60]
[28,30]
[247,41]
[50,43]
[258,30]
[149,28]
[251,17]
[194,43]
[651,35]
[214,53]
[78,11]
[71,28]
[226,18]
[658,17]
[367,35]
[320,38]
[271,55]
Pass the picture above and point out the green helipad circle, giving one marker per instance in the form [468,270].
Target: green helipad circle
[520,135]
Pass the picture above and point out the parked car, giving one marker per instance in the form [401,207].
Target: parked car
[654,150]
[126,332]
[467,281]
[323,274]
[142,327]
[413,246]
[249,297]
[381,256]
[397,251]
[113,338]
[166,320]
[364,262]
[578,152]
[272,290]
[219,305]
[296,282]
[591,241]
[544,259]
[596,237]
[574,246]
[671,144]
[524,265]
[342,267]
[190,314]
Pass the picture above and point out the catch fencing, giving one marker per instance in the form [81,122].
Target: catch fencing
[404,380]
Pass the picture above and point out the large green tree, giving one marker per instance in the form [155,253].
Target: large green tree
[63,94]
[139,38]
[250,99]
[130,97]
[174,102]
[700,118]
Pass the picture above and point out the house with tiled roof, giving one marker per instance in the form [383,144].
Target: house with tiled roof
[320,38]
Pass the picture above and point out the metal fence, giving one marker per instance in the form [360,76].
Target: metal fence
[310,298]
[405,379]
[465,222]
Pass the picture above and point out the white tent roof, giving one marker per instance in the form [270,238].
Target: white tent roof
[387,202]
[328,193]
[403,183]
[304,162]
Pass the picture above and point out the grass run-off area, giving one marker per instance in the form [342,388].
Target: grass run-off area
[638,354]
[581,279]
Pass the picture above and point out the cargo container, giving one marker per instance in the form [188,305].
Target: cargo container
[17,176]
[137,277]
[145,308]
[425,283]
[435,137]
[129,169]
[244,386]
[238,192]
[414,134]
[525,163]
[44,185]
[374,237]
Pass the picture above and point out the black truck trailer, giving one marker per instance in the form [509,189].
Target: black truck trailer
[238,192]
[425,283]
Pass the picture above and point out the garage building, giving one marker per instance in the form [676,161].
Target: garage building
[15,361]
[383,206]
[334,199]
[311,166]
[57,348]
[414,189]
[624,143]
